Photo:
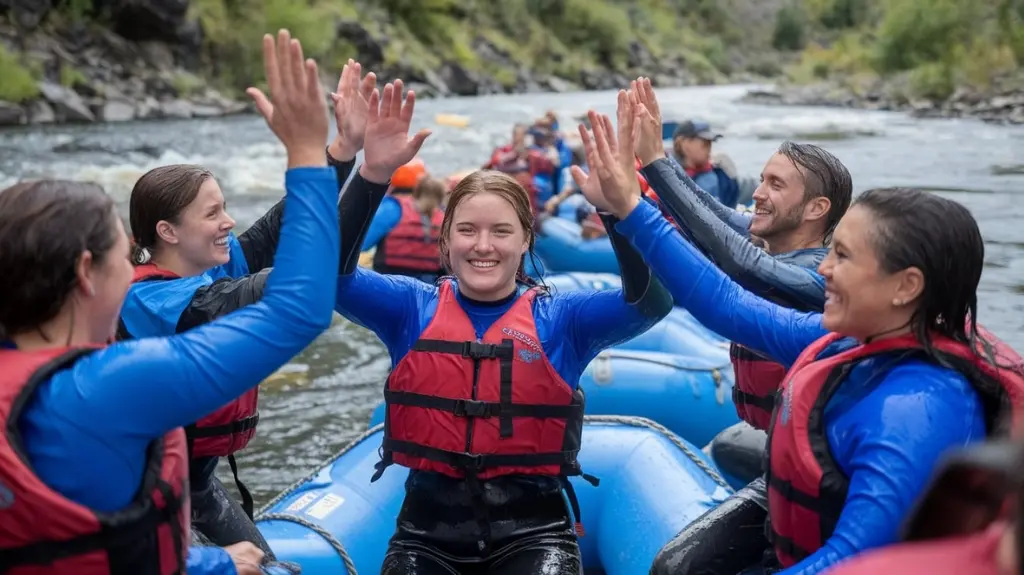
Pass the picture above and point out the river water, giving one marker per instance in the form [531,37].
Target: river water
[325,395]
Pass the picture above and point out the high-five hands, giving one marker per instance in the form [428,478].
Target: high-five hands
[649,145]
[298,114]
[388,144]
[612,185]
[351,110]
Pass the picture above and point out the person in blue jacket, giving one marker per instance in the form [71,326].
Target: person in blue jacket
[405,230]
[182,237]
[890,376]
[691,146]
[97,430]
[483,401]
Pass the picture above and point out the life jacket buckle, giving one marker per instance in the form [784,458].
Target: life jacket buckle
[478,350]
[472,408]
[474,463]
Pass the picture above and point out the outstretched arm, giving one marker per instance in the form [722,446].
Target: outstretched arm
[737,222]
[714,299]
[747,264]
[170,382]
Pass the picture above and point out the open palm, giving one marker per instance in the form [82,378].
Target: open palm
[352,104]
[388,144]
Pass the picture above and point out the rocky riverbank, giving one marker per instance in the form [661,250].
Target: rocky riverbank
[1002,103]
[146,61]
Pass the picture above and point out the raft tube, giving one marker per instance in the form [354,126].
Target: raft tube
[562,248]
[652,485]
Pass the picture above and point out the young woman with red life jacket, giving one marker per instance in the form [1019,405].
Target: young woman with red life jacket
[483,402]
[94,476]
[894,373]
[190,269]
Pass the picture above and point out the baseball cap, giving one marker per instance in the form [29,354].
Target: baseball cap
[695,129]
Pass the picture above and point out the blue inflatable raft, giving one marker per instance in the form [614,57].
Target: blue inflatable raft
[562,249]
[652,485]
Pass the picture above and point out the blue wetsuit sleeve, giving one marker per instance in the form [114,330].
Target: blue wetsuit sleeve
[149,386]
[209,561]
[387,305]
[715,300]
[888,444]
[750,266]
[383,222]
[738,222]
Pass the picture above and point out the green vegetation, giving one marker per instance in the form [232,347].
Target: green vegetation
[18,84]
[562,37]
[935,46]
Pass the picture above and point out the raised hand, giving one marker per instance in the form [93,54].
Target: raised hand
[351,110]
[589,184]
[611,160]
[298,115]
[388,144]
[649,145]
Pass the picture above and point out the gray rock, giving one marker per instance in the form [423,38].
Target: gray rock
[176,109]
[67,104]
[40,112]
[147,109]
[556,84]
[201,111]
[461,81]
[117,111]
[11,114]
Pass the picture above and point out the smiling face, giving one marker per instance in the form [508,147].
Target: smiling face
[486,246]
[200,234]
[862,299]
[779,200]
[487,230]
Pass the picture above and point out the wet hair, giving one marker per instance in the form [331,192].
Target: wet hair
[824,176]
[430,187]
[503,186]
[161,194]
[913,228]
[44,228]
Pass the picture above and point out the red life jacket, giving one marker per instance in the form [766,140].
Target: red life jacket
[757,380]
[482,409]
[227,430]
[44,533]
[806,488]
[410,247]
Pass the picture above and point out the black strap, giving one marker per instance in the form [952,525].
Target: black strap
[766,403]
[168,494]
[194,432]
[243,491]
[468,349]
[481,409]
[787,546]
[478,462]
[794,495]
[111,536]
[505,390]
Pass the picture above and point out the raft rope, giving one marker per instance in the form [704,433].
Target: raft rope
[350,566]
[633,421]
